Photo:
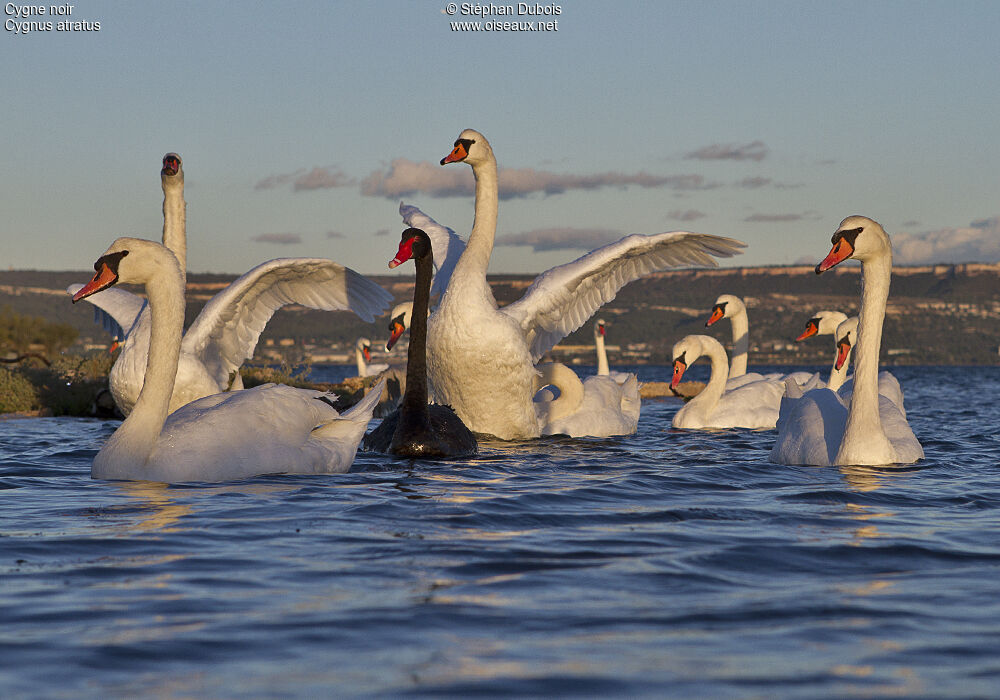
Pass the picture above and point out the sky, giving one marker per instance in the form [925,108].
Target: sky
[302,125]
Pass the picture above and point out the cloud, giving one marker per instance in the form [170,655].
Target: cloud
[772,218]
[977,242]
[752,183]
[279,238]
[315,179]
[685,215]
[381,232]
[335,234]
[405,178]
[755,150]
[565,238]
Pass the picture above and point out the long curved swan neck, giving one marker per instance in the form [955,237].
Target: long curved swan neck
[876,275]
[716,385]
[741,343]
[166,306]
[602,355]
[174,222]
[570,389]
[414,402]
[480,247]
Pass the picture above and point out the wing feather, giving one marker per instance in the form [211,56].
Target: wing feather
[561,300]
[115,309]
[446,245]
[226,331]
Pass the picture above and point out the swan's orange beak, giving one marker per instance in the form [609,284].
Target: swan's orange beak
[104,278]
[396,330]
[812,328]
[600,330]
[404,253]
[366,351]
[457,154]
[840,252]
[717,313]
[843,350]
[679,367]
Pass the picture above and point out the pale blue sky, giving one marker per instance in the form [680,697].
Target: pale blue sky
[812,111]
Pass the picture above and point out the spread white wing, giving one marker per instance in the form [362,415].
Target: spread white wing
[446,245]
[562,299]
[226,331]
[115,309]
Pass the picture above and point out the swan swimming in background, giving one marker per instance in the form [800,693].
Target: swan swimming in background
[820,427]
[264,430]
[417,429]
[225,333]
[844,331]
[750,405]
[481,357]
[732,307]
[603,369]
[363,359]
[598,406]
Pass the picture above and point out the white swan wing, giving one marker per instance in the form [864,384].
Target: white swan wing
[562,299]
[810,428]
[226,331]
[115,310]
[446,245]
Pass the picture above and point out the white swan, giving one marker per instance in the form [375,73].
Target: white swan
[750,405]
[844,331]
[819,427]
[363,359]
[603,369]
[263,430]
[888,385]
[599,406]
[481,358]
[226,331]
[732,307]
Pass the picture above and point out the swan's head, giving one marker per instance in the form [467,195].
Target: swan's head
[685,352]
[857,237]
[414,243]
[726,306]
[823,323]
[365,346]
[173,169]
[399,321]
[470,147]
[599,328]
[847,338]
[129,260]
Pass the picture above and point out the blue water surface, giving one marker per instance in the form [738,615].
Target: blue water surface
[665,564]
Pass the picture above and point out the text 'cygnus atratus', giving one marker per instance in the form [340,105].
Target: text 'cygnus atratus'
[481,358]
[820,427]
[263,430]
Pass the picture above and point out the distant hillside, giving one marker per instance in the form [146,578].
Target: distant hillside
[944,314]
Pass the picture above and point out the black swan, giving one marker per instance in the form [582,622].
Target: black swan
[416,428]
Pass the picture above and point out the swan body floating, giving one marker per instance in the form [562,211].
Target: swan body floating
[363,359]
[417,429]
[598,406]
[732,307]
[481,357]
[820,427]
[263,430]
[225,333]
[753,404]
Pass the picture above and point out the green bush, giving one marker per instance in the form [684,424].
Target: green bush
[17,393]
